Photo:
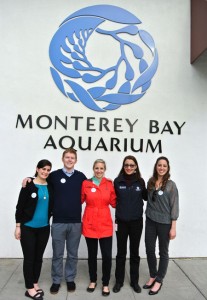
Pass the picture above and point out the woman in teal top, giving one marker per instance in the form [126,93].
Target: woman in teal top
[33,211]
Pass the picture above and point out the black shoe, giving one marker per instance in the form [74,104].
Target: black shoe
[117,287]
[36,296]
[146,286]
[41,292]
[71,286]
[91,290]
[152,293]
[105,293]
[136,287]
[54,288]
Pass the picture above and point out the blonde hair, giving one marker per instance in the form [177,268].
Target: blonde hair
[99,161]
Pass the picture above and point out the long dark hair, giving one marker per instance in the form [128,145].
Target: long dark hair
[154,178]
[43,163]
[137,171]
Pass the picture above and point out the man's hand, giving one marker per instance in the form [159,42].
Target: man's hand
[25,180]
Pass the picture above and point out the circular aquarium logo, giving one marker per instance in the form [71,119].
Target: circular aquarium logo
[102,58]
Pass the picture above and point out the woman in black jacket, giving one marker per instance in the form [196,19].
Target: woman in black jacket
[130,190]
[33,211]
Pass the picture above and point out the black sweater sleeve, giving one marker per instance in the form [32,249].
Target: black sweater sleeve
[144,190]
[21,204]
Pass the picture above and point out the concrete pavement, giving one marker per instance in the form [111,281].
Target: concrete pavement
[186,280]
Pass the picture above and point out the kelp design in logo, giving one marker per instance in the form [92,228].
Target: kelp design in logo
[103,89]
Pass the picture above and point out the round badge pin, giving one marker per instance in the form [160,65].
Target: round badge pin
[93,190]
[62,180]
[160,193]
[34,195]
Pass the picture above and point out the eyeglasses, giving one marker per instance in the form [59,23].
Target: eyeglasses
[154,196]
[129,166]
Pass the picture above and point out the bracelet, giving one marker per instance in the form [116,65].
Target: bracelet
[18,226]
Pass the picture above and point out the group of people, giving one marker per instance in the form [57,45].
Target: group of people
[61,193]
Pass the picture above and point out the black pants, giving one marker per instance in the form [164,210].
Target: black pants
[133,230]
[153,231]
[106,251]
[33,242]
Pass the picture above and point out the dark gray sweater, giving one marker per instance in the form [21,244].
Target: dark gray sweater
[165,207]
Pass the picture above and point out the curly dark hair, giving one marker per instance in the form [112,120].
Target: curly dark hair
[154,178]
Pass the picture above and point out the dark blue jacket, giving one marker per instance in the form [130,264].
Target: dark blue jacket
[130,197]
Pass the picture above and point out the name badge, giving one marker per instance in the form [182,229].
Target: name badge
[93,190]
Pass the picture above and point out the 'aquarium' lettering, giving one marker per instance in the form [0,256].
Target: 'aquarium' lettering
[126,130]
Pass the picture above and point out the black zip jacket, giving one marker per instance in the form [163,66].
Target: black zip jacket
[130,197]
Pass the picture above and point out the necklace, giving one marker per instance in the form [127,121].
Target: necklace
[43,190]
[158,184]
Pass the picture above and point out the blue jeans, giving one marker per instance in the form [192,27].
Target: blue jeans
[153,231]
[69,235]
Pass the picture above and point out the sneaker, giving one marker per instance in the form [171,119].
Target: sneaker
[54,288]
[117,287]
[136,287]
[71,286]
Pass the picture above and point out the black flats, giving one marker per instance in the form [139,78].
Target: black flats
[152,293]
[105,294]
[41,292]
[91,290]
[148,286]
[35,297]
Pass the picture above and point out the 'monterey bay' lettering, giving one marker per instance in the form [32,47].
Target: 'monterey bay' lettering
[95,124]
[77,123]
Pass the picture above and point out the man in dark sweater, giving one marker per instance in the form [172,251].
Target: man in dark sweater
[66,226]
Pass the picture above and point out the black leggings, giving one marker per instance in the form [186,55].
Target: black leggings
[106,251]
[33,242]
[153,232]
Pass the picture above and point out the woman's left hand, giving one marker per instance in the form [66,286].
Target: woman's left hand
[172,234]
